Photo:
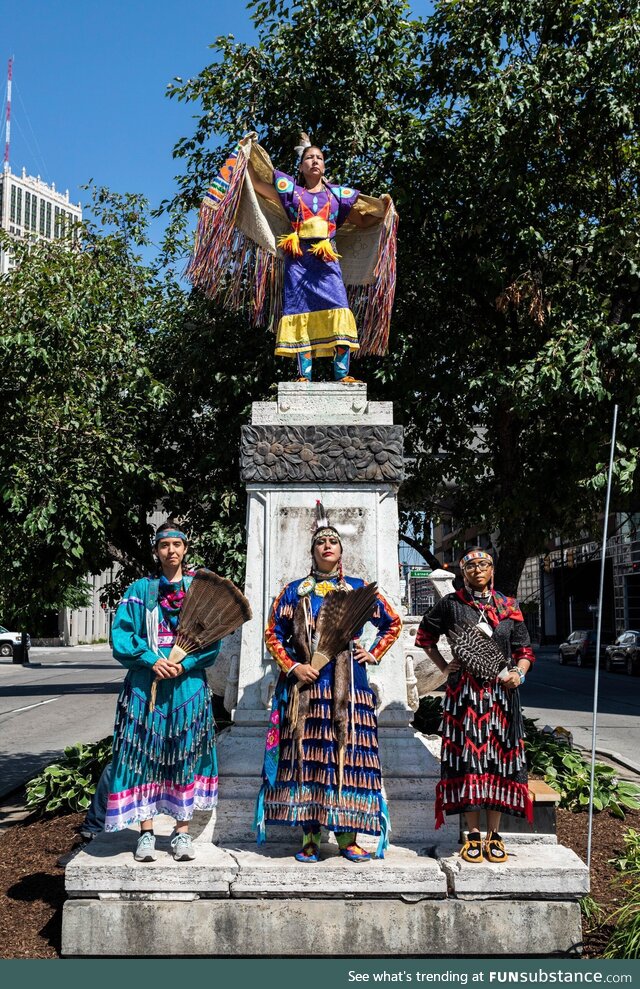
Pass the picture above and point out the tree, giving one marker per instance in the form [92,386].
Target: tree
[79,440]
[508,135]
[528,259]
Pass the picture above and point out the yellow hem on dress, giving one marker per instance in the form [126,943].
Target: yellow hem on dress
[317,332]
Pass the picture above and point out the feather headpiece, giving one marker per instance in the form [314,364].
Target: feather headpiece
[304,142]
[322,525]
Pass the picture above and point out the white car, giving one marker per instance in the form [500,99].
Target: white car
[8,641]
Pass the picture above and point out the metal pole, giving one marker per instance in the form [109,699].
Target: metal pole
[594,723]
[7,125]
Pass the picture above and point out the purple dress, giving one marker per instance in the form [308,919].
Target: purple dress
[316,316]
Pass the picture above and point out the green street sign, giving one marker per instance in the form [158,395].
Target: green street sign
[421,573]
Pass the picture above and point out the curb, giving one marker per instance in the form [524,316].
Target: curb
[622,760]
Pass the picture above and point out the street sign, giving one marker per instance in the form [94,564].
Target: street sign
[421,573]
[592,608]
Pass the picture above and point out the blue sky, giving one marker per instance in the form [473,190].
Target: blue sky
[89,83]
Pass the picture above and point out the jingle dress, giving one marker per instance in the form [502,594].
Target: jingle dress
[282,799]
[164,761]
[483,763]
[316,315]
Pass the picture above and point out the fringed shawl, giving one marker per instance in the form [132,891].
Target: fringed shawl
[236,258]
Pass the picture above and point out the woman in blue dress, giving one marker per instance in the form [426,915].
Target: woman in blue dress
[300,773]
[164,755]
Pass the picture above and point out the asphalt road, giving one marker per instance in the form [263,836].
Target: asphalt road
[563,695]
[70,698]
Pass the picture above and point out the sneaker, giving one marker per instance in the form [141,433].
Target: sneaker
[146,847]
[182,847]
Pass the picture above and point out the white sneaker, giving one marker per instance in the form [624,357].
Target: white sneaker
[182,847]
[146,847]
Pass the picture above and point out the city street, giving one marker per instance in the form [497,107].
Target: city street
[70,698]
[563,695]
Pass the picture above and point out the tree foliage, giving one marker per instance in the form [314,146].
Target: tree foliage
[508,135]
[78,435]
[526,261]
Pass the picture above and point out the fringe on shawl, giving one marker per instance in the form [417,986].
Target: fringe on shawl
[372,304]
[228,266]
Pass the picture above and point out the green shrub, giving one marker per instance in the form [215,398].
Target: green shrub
[543,750]
[625,940]
[69,784]
[428,716]
[591,911]
[570,774]
[630,861]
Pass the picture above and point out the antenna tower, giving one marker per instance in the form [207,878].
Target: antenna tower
[7,143]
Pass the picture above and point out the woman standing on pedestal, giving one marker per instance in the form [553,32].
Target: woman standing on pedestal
[316,320]
[300,773]
[294,281]
[483,757]
[164,755]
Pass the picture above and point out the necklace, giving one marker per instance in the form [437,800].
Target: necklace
[483,623]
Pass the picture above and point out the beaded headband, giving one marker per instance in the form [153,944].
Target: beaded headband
[476,554]
[328,530]
[170,534]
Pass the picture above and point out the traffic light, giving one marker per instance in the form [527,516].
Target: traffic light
[570,558]
[547,564]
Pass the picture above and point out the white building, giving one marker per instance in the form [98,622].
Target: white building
[29,208]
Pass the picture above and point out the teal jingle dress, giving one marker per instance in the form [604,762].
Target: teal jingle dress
[164,761]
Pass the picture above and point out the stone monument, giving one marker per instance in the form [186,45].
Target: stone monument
[327,442]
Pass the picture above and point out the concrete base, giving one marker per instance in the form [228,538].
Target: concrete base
[317,927]
[240,899]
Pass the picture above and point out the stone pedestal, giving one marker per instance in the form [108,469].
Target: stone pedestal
[324,442]
[327,442]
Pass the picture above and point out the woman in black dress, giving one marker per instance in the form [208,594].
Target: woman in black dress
[483,758]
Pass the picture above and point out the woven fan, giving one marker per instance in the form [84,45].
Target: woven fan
[476,652]
[213,608]
[340,617]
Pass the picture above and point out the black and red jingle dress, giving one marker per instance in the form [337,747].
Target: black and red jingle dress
[483,764]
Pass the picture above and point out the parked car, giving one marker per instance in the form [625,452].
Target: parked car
[580,646]
[624,652]
[10,639]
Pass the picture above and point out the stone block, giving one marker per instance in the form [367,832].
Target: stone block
[106,866]
[533,871]
[316,927]
[270,873]
[323,401]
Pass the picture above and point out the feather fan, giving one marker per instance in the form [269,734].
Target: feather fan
[476,651]
[340,617]
[213,608]
[300,696]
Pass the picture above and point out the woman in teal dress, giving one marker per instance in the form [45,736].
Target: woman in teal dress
[164,756]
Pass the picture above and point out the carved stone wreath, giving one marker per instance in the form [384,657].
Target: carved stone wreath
[322,453]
